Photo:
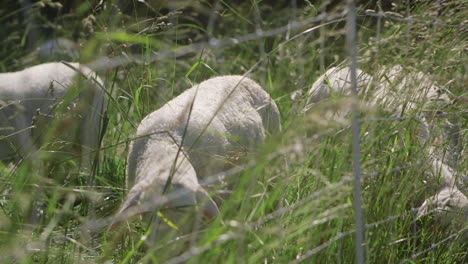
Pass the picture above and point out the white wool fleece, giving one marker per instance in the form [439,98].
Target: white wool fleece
[34,93]
[230,114]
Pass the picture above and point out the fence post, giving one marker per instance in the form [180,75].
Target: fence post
[351,44]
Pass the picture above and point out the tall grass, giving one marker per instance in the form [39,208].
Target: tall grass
[293,202]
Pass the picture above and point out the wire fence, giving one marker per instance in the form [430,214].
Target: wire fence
[325,19]
[306,27]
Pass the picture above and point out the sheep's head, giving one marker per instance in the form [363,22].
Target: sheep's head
[180,208]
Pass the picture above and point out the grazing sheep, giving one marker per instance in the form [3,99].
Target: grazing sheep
[192,137]
[30,99]
[394,87]
[394,90]
[398,91]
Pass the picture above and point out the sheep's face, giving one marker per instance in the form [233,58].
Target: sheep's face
[181,198]
[181,210]
[184,212]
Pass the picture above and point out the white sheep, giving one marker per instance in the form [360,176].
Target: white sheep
[402,92]
[192,137]
[29,100]
[394,88]
[397,91]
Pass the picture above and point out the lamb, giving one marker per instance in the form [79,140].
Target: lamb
[192,137]
[30,99]
[392,86]
[397,91]
[393,93]
[392,89]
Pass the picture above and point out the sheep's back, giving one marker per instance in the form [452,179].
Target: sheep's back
[33,93]
[229,115]
[338,81]
[396,87]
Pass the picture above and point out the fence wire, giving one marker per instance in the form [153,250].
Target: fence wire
[306,26]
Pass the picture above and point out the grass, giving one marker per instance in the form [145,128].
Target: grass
[296,202]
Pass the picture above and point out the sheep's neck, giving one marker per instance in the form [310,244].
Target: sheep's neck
[164,161]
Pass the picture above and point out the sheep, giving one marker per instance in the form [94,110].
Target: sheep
[29,100]
[192,137]
[397,91]
[392,87]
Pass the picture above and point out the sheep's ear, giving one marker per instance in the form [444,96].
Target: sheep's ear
[209,208]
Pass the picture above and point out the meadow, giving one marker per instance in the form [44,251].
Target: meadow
[292,200]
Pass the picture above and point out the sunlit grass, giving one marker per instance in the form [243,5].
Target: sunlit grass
[296,200]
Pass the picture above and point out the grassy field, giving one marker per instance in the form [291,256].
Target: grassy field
[294,200]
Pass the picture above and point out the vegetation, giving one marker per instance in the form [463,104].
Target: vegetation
[294,200]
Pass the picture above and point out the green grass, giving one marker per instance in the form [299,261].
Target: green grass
[298,197]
